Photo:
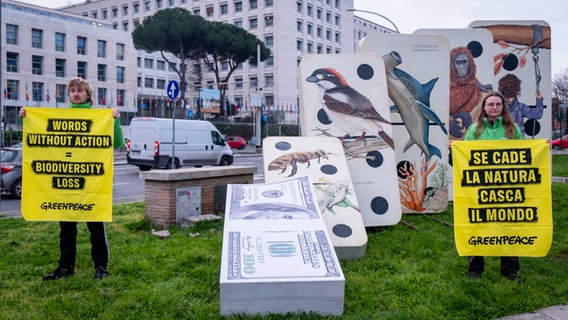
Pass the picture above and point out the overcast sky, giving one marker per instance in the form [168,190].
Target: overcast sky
[409,15]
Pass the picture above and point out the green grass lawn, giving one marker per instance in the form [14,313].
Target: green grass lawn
[405,274]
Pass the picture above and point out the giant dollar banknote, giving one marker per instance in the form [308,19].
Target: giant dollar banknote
[281,254]
[288,199]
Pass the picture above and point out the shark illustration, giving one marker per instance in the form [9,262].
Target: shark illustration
[411,100]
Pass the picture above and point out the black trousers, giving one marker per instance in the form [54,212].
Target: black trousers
[68,244]
[509,265]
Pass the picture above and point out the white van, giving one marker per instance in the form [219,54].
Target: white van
[197,143]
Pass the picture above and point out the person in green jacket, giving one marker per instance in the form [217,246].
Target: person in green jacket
[494,123]
[80,96]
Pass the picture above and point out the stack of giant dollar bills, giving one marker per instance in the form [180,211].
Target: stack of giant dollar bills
[277,255]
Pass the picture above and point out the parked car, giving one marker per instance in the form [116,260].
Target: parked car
[236,142]
[556,143]
[11,171]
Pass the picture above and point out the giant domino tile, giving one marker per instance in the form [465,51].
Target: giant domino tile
[371,161]
[323,160]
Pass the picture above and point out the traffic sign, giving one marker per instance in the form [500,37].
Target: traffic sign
[173,89]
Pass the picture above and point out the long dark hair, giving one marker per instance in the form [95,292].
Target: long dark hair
[508,123]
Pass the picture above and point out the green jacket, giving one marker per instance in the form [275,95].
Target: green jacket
[491,132]
[118,136]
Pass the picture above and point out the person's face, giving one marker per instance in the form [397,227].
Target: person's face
[493,108]
[78,95]
[461,65]
[510,100]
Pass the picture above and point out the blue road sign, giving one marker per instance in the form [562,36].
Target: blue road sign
[173,89]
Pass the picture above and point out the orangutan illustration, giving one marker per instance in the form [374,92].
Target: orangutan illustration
[465,90]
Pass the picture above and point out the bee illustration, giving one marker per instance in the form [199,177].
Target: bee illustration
[293,158]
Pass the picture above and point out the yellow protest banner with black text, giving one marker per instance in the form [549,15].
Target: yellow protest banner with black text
[502,197]
[67,164]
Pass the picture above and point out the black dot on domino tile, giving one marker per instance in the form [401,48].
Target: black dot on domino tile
[379,205]
[403,168]
[328,169]
[282,145]
[323,118]
[532,127]
[374,159]
[342,230]
[475,48]
[365,71]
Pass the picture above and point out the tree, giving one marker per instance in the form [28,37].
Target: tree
[560,86]
[227,43]
[175,31]
[188,36]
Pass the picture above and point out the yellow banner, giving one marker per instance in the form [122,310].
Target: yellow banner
[502,198]
[67,164]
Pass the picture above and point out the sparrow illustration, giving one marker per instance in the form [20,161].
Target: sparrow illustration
[414,113]
[346,107]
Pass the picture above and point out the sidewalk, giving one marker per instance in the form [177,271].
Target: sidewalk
[559,312]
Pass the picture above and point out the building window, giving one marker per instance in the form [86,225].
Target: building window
[60,68]
[238,6]
[210,11]
[269,62]
[160,65]
[309,10]
[299,26]
[319,32]
[101,48]
[253,81]
[253,23]
[120,74]
[120,97]
[253,4]
[101,72]
[310,28]
[269,80]
[148,63]
[59,42]
[328,34]
[268,21]
[81,45]
[12,88]
[328,17]
[337,37]
[125,25]
[300,45]
[299,6]
[104,13]
[158,4]
[60,92]
[268,3]
[269,41]
[12,61]
[114,12]
[224,9]
[37,91]
[82,69]
[318,13]
[239,23]
[310,47]
[196,12]
[337,20]
[135,8]
[120,51]
[148,82]
[94,15]
[171,3]
[125,10]
[238,83]
[11,34]
[101,96]
[224,66]
[37,65]
[37,38]
[160,84]
[146,6]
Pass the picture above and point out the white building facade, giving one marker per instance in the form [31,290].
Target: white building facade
[289,28]
[42,49]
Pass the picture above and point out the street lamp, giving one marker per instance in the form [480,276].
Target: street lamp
[380,15]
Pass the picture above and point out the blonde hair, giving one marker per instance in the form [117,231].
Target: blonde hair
[79,82]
